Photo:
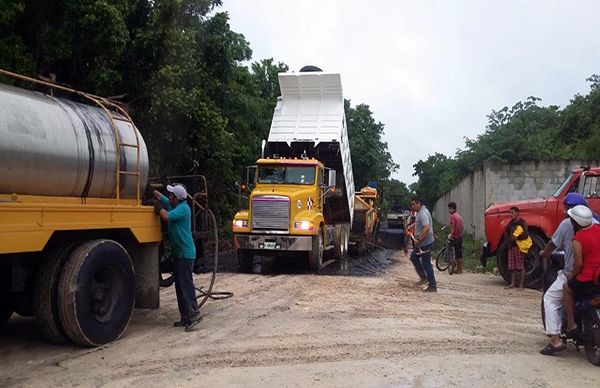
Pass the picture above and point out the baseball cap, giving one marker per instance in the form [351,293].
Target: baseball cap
[582,215]
[179,191]
[574,199]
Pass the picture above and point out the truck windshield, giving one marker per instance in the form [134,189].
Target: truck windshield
[563,185]
[286,174]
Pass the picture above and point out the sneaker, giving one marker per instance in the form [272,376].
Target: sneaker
[430,289]
[181,323]
[191,326]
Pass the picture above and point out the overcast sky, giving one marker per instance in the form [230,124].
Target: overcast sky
[431,70]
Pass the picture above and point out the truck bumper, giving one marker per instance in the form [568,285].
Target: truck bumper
[273,243]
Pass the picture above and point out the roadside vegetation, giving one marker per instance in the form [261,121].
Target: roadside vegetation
[526,131]
[188,80]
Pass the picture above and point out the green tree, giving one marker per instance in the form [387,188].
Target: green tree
[526,131]
[395,192]
[371,160]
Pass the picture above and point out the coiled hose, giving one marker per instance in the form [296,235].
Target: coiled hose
[203,296]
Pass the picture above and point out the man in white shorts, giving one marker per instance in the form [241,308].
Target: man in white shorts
[553,298]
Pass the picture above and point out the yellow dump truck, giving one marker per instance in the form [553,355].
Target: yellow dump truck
[302,198]
[366,217]
[77,248]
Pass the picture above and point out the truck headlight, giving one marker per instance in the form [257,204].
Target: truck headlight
[240,223]
[303,225]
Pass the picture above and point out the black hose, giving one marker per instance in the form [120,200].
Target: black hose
[205,295]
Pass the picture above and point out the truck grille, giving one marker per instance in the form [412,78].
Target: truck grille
[271,213]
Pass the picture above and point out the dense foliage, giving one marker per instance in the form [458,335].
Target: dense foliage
[183,74]
[527,131]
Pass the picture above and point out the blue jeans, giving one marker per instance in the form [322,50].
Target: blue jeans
[423,264]
[184,287]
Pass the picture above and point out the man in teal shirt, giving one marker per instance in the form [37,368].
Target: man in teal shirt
[177,214]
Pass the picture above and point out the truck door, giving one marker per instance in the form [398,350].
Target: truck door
[591,190]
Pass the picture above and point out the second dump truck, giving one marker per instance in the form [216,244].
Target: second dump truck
[302,200]
[366,218]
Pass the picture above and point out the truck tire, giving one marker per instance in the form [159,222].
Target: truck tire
[245,260]
[534,269]
[96,293]
[340,242]
[315,256]
[46,294]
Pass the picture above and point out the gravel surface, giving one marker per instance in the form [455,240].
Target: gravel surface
[357,323]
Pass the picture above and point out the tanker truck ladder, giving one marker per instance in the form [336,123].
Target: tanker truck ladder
[125,117]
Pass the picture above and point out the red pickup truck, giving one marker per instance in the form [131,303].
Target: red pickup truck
[543,216]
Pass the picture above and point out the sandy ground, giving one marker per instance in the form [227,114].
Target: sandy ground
[360,325]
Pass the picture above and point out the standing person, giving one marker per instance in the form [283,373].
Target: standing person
[553,297]
[179,219]
[423,244]
[456,235]
[519,243]
[586,262]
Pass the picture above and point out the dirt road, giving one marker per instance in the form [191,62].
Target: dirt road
[360,325]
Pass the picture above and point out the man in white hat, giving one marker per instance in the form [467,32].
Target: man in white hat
[177,214]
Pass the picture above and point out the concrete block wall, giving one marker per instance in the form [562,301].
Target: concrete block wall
[469,196]
[525,180]
[502,182]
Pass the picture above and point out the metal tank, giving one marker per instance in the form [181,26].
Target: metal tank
[56,147]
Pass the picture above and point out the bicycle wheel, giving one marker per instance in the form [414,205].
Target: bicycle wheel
[452,267]
[440,260]
[451,260]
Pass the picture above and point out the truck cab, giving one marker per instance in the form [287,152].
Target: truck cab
[302,194]
[286,210]
[543,215]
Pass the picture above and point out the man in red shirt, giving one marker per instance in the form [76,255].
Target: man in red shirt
[586,261]
[456,235]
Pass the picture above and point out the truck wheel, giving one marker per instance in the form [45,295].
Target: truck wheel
[534,268]
[46,294]
[245,259]
[96,293]
[5,310]
[340,242]
[315,256]
[502,260]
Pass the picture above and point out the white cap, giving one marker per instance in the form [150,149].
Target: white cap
[582,215]
[179,191]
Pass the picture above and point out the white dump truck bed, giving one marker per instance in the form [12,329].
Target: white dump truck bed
[310,114]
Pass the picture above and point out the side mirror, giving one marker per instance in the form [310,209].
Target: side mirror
[331,178]
[250,179]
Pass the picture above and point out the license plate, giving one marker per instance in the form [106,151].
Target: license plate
[270,245]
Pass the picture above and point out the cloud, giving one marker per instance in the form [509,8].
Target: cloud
[431,70]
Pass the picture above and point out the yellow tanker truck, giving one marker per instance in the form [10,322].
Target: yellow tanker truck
[77,248]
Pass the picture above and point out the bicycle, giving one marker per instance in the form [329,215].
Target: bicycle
[446,257]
